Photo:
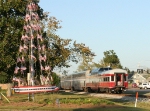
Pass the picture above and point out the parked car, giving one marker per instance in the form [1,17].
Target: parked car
[144,85]
[134,85]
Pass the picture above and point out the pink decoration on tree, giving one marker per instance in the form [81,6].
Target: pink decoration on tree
[16,69]
[32,69]
[23,68]
[21,48]
[22,59]
[39,37]
[42,68]
[33,46]
[18,59]
[47,68]
[43,47]
[27,17]
[33,57]
[39,48]
[25,47]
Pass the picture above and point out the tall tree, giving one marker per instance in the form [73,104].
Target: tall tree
[58,48]
[111,59]
[62,51]
[12,14]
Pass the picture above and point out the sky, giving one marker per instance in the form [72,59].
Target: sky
[103,25]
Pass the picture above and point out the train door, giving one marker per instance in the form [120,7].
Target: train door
[119,77]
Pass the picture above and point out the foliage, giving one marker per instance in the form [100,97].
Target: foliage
[110,59]
[97,65]
[127,69]
[56,79]
[11,23]
[94,101]
[58,52]
[85,56]
[3,77]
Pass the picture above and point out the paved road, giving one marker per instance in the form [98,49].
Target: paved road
[138,89]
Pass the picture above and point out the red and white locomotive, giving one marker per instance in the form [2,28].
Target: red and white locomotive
[98,80]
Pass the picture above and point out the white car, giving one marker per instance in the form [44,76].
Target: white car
[144,85]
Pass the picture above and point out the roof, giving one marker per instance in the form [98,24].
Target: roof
[130,75]
[136,76]
[116,71]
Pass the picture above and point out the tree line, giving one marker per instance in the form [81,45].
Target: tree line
[59,51]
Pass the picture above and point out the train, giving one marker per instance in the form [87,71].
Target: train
[97,80]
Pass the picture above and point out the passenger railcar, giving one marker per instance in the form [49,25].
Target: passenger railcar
[75,81]
[97,80]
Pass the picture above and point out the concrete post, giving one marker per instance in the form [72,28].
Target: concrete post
[8,90]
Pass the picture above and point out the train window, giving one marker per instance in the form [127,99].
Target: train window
[109,68]
[104,79]
[108,78]
[101,69]
[112,78]
[105,69]
[94,71]
[140,71]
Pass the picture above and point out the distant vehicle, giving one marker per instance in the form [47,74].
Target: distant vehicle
[134,85]
[144,85]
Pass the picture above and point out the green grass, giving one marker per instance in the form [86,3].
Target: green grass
[65,101]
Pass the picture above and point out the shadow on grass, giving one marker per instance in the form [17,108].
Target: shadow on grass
[141,92]
[95,108]
[107,108]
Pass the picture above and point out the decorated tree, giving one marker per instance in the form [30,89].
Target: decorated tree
[32,50]
[12,14]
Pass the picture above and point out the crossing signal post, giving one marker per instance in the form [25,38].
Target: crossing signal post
[136,98]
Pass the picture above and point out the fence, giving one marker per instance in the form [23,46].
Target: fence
[6,86]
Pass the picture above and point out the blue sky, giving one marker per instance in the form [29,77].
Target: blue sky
[119,25]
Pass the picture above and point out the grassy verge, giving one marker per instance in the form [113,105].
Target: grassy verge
[65,101]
